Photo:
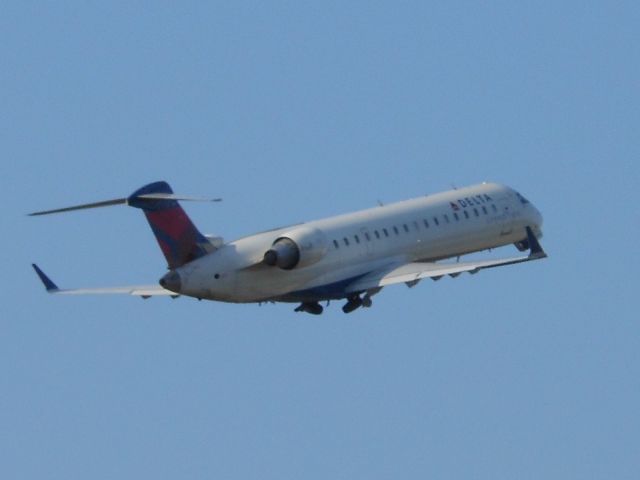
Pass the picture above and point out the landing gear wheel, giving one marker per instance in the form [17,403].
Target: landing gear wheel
[354,302]
[314,308]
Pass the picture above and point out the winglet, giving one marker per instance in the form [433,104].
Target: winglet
[534,245]
[48,283]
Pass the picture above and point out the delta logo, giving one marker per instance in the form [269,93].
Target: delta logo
[465,202]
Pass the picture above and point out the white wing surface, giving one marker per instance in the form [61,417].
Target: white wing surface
[411,273]
[144,291]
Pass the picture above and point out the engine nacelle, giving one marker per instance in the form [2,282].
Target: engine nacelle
[296,249]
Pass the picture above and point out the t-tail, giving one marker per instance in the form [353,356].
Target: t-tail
[179,239]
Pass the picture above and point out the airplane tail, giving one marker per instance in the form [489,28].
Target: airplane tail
[179,239]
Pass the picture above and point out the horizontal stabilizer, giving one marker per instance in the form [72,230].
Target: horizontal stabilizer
[173,196]
[105,203]
[150,197]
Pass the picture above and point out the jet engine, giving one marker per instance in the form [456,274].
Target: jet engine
[299,248]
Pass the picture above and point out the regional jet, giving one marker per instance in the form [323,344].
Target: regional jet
[349,257]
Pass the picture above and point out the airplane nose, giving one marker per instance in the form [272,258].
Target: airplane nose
[172,281]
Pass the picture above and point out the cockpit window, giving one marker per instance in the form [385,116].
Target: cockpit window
[523,200]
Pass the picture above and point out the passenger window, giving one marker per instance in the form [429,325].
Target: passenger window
[406,229]
[426,224]
[494,208]
[466,214]
[484,210]
[386,232]
[366,235]
[346,241]
[475,210]
[377,234]
[455,215]
[357,238]
[435,220]
[395,229]
[446,218]
[336,244]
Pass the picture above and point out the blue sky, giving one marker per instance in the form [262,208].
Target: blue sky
[293,111]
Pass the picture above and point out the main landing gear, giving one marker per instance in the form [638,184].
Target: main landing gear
[354,301]
[314,308]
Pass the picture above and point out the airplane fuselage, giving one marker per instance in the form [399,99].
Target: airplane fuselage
[334,252]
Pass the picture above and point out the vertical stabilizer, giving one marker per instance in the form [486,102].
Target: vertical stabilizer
[179,239]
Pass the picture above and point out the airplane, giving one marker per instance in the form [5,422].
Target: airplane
[349,257]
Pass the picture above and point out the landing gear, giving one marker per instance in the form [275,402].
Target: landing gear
[314,308]
[354,302]
[366,301]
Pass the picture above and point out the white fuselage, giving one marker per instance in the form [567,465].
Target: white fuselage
[345,247]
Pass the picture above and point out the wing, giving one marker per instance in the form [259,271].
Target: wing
[412,273]
[144,291]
